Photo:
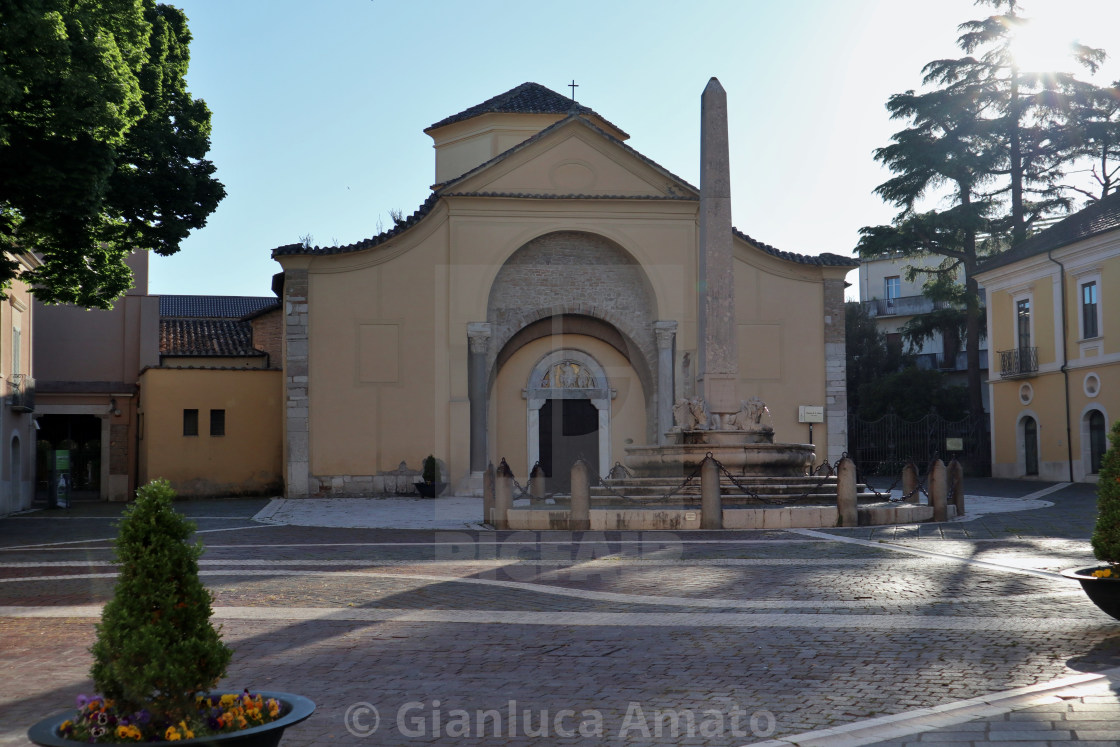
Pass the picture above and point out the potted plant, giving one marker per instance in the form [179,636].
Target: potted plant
[157,655]
[430,486]
[1102,583]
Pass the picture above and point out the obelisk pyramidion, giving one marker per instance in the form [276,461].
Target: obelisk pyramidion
[719,361]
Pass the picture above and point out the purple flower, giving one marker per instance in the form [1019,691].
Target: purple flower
[143,716]
[83,700]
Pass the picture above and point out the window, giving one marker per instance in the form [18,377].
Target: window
[190,422]
[1023,322]
[217,422]
[893,287]
[1089,326]
[16,335]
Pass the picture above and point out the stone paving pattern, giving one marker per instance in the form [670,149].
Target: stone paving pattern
[784,631]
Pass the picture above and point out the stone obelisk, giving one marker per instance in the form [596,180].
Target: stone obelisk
[719,360]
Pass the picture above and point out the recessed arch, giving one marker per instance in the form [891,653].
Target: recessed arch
[569,280]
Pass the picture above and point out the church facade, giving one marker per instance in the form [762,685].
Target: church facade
[541,305]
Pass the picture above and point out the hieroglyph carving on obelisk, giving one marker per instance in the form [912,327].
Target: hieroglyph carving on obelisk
[719,361]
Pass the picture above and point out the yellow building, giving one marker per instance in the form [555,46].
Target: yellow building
[541,304]
[1054,329]
[209,413]
[17,429]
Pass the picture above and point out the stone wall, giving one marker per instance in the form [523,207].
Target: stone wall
[575,273]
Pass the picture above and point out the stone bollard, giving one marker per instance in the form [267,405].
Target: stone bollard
[488,495]
[503,495]
[579,519]
[711,502]
[938,490]
[910,483]
[956,486]
[846,493]
[536,482]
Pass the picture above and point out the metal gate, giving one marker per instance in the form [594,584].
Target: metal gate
[884,446]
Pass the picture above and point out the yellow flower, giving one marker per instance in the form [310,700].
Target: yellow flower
[129,732]
[228,699]
[65,724]
[1103,573]
[172,735]
[242,723]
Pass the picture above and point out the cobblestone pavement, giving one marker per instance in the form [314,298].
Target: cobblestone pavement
[940,633]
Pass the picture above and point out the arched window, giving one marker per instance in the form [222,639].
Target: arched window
[1098,441]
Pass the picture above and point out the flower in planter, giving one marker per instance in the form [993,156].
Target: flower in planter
[156,652]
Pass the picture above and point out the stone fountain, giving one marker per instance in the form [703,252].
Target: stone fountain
[740,441]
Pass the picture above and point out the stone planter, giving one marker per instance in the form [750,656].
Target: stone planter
[1103,592]
[293,709]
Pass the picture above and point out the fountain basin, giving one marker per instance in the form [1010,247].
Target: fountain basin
[738,455]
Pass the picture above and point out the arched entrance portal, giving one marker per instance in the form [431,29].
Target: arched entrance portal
[568,400]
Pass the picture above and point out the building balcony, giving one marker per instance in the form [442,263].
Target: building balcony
[21,393]
[907,305]
[1018,363]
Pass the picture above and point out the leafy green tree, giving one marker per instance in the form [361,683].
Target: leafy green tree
[868,355]
[912,394]
[102,148]
[993,141]
[156,648]
[1095,136]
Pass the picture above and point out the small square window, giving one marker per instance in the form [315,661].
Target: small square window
[217,422]
[190,422]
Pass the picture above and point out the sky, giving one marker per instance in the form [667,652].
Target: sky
[319,108]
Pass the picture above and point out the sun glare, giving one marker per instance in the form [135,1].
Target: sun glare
[1039,50]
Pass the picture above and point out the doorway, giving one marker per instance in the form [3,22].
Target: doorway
[569,430]
[1030,445]
[80,435]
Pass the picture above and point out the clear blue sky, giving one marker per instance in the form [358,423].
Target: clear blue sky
[319,108]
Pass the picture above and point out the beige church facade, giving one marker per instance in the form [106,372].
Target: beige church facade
[539,306]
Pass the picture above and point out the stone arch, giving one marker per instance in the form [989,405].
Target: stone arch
[596,389]
[575,279]
[1028,420]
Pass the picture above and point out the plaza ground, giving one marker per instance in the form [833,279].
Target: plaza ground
[936,633]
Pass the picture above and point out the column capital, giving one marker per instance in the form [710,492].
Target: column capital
[478,335]
[666,332]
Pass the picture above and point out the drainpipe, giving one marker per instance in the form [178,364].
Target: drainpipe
[1065,362]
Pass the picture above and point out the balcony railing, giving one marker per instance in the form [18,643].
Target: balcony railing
[21,393]
[1018,362]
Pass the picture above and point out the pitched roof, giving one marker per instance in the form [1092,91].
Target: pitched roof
[207,337]
[527,98]
[213,307]
[1097,218]
[573,117]
[825,259]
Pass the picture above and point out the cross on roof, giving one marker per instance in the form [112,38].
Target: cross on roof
[573,85]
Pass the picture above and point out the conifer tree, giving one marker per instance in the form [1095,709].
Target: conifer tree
[1106,535]
[155,647]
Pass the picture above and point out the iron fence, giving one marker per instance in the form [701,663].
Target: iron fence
[883,447]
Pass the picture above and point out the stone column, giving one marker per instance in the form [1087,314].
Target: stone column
[847,502]
[579,518]
[835,369]
[719,357]
[666,333]
[478,340]
[956,486]
[910,492]
[711,502]
[297,474]
[503,496]
[938,490]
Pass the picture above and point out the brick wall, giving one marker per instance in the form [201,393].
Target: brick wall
[268,335]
